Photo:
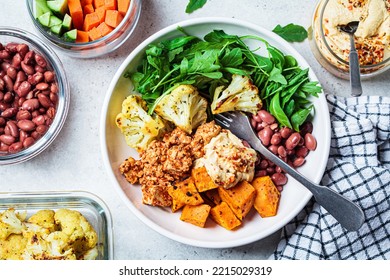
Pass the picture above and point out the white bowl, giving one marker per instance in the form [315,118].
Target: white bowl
[294,196]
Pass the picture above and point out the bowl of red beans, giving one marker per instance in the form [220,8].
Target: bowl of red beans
[34,95]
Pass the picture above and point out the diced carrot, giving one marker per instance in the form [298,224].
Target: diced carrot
[101,12]
[123,6]
[94,34]
[104,29]
[98,3]
[110,4]
[113,18]
[86,2]
[76,12]
[82,37]
[88,9]
[91,21]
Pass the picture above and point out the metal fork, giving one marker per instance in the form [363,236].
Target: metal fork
[347,213]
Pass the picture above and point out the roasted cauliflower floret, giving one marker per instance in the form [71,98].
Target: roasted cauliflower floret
[138,127]
[10,223]
[13,247]
[184,107]
[240,95]
[81,234]
[45,219]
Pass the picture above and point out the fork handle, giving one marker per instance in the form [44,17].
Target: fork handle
[354,70]
[347,213]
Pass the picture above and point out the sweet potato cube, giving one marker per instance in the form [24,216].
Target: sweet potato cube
[94,34]
[104,29]
[86,2]
[113,18]
[240,198]
[213,196]
[88,9]
[123,6]
[82,36]
[196,215]
[101,12]
[76,12]
[203,181]
[91,21]
[267,196]
[224,216]
[110,4]
[184,193]
[98,3]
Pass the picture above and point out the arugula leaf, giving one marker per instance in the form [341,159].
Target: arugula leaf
[233,58]
[299,117]
[276,76]
[291,32]
[277,111]
[194,5]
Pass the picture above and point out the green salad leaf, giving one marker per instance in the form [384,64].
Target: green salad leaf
[194,5]
[291,32]
[210,62]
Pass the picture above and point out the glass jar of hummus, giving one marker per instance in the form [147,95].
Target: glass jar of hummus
[372,38]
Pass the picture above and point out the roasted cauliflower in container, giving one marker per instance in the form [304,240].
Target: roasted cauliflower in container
[240,95]
[47,235]
[184,107]
[138,127]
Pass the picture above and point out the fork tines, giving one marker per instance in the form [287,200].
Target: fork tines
[223,120]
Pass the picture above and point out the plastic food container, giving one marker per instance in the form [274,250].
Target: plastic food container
[328,56]
[95,48]
[89,205]
[7,35]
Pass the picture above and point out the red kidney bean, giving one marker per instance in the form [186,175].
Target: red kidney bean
[20,77]
[263,164]
[44,100]
[310,142]
[41,129]
[8,97]
[39,69]
[273,149]
[28,69]
[7,139]
[26,125]
[24,89]
[293,140]
[4,54]
[278,169]
[15,148]
[39,120]
[11,72]
[302,151]
[2,84]
[285,132]
[290,152]
[23,135]
[5,66]
[298,161]
[22,49]
[279,179]
[4,106]
[29,141]
[257,118]
[36,135]
[270,170]
[307,127]
[9,84]
[53,98]
[260,173]
[20,100]
[31,104]
[54,88]
[3,147]
[40,60]
[29,57]
[265,136]
[37,78]
[259,127]
[49,76]
[282,151]
[29,95]
[35,113]
[13,128]
[276,139]
[16,61]
[1,95]
[2,121]
[266,117]
[11,47]
[7,131]
[9,113]
[42,86]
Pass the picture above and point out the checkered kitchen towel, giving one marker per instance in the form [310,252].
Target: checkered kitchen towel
[358,168]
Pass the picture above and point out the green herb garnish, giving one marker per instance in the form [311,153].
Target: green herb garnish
[194,5]
[291,32]
[210,62]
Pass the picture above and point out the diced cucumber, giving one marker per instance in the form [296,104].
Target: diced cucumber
[56,29]
[67,22]
[54,21]
[40,8]
[44,19]
[59,7]
[71,35]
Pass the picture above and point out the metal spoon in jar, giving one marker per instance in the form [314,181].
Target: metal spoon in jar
[354,69]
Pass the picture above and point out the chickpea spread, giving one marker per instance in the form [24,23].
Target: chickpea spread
[372,36]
